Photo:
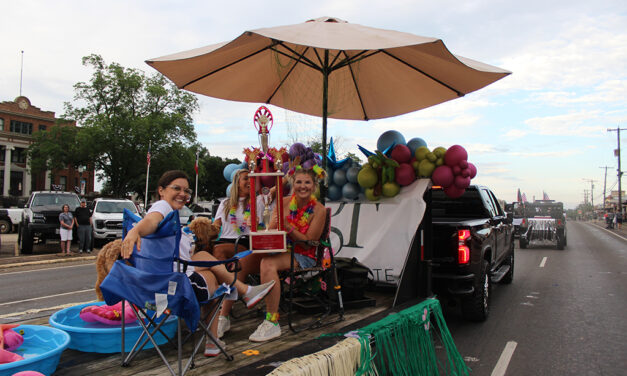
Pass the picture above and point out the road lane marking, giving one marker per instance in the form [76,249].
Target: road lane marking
[44,262]
[543,262]
[46,297]
[37,310]
[506,356]
[39,270]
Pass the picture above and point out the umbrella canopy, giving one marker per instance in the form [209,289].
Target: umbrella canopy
[330,68]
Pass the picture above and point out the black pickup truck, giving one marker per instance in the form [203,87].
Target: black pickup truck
[473,247]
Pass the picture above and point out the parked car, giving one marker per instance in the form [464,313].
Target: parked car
[107,218]
[40,218]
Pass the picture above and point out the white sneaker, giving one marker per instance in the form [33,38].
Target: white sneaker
[256,293]
[266,331]
[224,325]
[211,349]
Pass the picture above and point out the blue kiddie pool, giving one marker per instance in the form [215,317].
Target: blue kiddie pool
[102,338]
[41,350]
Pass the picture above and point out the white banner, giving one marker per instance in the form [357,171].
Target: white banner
[379,234]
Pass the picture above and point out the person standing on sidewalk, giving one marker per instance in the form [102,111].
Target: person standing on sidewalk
[67,223]
[82,218]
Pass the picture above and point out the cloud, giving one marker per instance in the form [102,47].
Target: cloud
[572,124]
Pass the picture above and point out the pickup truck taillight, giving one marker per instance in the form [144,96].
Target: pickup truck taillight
[559,222]
[524,222]
[463,251]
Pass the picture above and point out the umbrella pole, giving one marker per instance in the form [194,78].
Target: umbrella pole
[325,99]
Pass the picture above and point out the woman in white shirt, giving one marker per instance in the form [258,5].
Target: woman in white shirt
[174,193]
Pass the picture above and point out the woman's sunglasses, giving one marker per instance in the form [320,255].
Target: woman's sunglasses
[178,189]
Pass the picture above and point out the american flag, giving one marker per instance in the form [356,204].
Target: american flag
[524,197]
[545,196]
[148,156]
[196,165]
[519,196]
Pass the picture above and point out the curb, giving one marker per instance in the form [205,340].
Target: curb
[44,262]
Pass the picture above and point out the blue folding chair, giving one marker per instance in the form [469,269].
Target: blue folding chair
[152,286]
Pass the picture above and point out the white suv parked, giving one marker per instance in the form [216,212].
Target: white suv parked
[107,218]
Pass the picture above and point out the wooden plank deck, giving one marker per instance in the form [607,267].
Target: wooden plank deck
[74,363]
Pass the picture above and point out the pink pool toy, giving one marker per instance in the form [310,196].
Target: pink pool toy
[110,315]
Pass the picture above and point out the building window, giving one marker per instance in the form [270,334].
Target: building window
[42,127]
[18,155]
[21,127]
[1,124]
[2,151]
[62,182]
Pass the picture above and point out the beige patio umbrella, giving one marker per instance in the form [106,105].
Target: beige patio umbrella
[330,68]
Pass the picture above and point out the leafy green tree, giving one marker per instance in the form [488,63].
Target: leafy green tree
[55,149]
[121,111]
[212,184]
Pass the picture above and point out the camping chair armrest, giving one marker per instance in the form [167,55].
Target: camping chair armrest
[209,264]
[238,240]
[309,243]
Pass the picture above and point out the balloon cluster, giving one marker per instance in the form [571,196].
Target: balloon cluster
[229,173]
[343,181]
[455,174]
[304,155]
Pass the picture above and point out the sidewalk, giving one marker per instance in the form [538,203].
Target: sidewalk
[622,231]
[42,254]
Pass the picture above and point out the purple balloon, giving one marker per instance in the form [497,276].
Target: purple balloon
[462,182]
[308,163]
[454,155]
[473,170]
[286,166]
[443,176]
[297,149]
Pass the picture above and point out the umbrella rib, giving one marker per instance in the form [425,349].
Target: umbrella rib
[287,75]
[354,59]
[361,102]
[459,93]
[307,61]
[228,65]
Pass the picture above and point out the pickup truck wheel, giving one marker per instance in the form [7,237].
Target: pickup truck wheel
[26,240]
[477,306]
[523,243]
[560,243]
[5,226]
[509,277]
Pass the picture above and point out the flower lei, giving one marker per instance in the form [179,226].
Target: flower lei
[299,218]
[233,219]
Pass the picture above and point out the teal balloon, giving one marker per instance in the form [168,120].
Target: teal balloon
[350,191]
[243,165]
[351,174]
[388,138]
[415,143]
[228,171]
[339,177]
[228,190]
[334,193]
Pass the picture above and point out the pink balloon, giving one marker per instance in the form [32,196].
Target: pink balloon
[454,155]
[473,170]
[465,172]
[28,373]
[462,182]
[404,174]
[457,170]
[268,181]
[453,191]
[401,153]
[443,176]
[463,164]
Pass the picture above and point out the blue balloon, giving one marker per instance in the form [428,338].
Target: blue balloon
[388,138]
[415,143]
[233,173]
[350,191]
[243,165]
[351,174]
[339,177]
[334,193]
[228,190]
[228,170]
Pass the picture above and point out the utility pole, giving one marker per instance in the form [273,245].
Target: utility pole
[585,196]
[618,170]
[591,191]
[604,184]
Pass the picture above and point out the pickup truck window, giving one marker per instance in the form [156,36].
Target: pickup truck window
[497,206]
[488,202]
[467,206]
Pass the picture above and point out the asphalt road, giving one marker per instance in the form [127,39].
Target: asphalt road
[564,314]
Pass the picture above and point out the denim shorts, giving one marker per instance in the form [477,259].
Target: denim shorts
[304,262]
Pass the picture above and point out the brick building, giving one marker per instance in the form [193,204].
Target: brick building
[18,121]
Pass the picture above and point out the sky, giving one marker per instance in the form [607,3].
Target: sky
[544,128]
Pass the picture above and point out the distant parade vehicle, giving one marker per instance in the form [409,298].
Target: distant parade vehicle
[543,220]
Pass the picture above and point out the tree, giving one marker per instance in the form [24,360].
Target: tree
[55,149]
[121,111]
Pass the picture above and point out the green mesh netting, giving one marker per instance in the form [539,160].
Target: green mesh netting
[405,344]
